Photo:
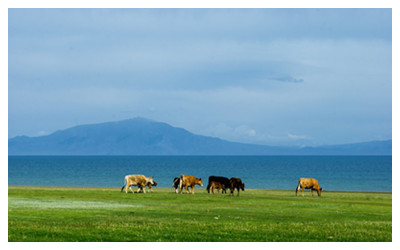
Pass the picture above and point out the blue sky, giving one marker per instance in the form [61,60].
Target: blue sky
[266,76]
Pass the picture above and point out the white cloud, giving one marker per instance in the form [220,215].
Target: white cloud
[297,137]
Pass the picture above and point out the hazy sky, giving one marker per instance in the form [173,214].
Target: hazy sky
[266,76]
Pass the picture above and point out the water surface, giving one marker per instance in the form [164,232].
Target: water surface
[344,173]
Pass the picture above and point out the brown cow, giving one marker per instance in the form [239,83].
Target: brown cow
[217,185]
[136,180]
[236,183]
[189,181]
[308,183]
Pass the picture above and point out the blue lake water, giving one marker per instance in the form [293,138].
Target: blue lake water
[344,173]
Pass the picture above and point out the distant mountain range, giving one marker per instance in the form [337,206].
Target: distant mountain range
[141,136]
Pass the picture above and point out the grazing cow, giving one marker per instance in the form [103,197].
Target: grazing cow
[308,183]
[189,181]
[136,180]
[222,180]
[236,183]
[218,186]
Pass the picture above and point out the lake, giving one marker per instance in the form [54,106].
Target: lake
[339,173]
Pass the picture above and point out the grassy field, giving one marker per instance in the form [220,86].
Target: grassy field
[106,214]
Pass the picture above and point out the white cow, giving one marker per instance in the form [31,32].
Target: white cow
[136,180]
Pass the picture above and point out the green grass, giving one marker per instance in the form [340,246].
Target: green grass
[106,214]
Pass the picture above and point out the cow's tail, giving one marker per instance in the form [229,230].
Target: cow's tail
[298,188]
[125,183]
[180,183]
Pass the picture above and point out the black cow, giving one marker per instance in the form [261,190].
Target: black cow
[237,183]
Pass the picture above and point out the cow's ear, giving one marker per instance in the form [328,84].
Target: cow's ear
[200,178]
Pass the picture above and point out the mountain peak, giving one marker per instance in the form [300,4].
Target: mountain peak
[141,119]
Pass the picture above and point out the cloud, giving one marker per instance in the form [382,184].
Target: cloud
[289,79]
[297,137]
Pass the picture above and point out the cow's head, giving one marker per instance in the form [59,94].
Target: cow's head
[319,191]
[242,186]
[200,182]
[155,184]
[150,180]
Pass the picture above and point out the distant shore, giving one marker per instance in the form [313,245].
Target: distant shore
[198,189]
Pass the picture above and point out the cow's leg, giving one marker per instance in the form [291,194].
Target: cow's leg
[126,185]
[130,187]
[312,192]
[302,191]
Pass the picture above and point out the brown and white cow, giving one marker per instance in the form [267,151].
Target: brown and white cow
[189,181]
[136,180]
[236,183]
[151,185]
[308,183]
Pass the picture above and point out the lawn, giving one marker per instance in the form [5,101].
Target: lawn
[105,214]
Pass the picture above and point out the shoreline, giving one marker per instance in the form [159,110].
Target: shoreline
[198,189]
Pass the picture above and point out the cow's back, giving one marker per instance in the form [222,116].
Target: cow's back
[190,180]
[235,181]
[136,180]
[309,183]
[223,180]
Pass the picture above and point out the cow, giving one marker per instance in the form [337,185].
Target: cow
[237,183]
[217,185]
[149,185]
[222,180]
[175,184]
[136,180]
[189,181]
[308,183]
